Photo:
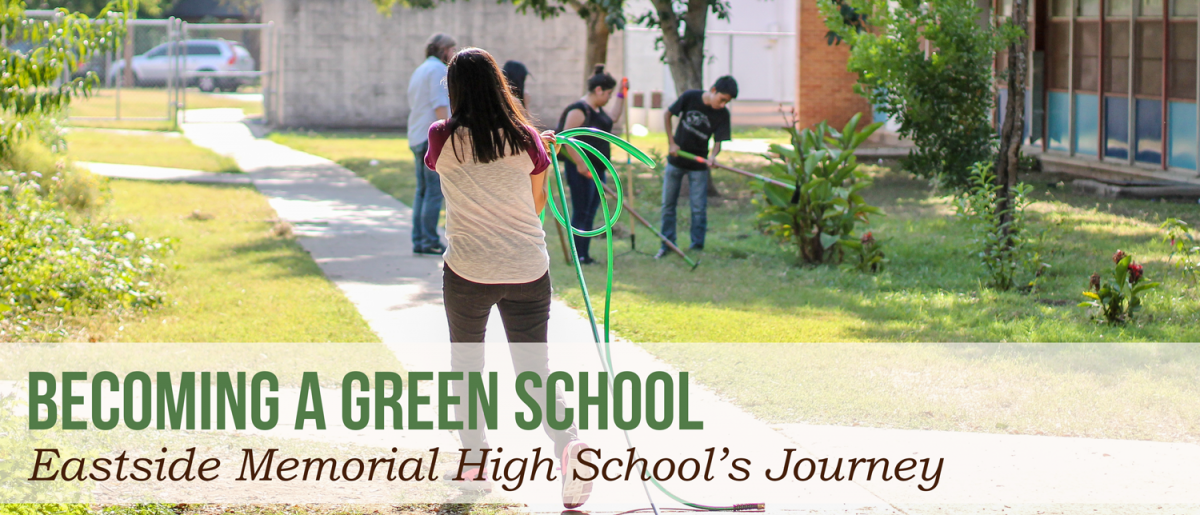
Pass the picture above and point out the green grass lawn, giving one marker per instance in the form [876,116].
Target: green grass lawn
[144,103]
[747,289]
[167,150]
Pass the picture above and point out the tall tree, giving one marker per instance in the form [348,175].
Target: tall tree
[683,23]
[600,16]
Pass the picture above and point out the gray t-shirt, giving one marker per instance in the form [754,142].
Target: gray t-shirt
[493,233]
[426,93]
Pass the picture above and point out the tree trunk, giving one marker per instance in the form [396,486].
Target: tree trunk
[1012,132]
[597,39]
[684,52]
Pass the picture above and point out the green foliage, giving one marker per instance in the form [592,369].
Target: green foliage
[144,8]
[865,255]
[942,101]
[16,441]
[1004,247]
[1178,234]
[826,206]
[37,83]
[52,265]
[73,187]
[1118,301]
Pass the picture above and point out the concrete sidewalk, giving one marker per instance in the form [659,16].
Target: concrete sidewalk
[360,238]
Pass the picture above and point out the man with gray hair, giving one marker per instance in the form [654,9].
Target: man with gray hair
[429,102]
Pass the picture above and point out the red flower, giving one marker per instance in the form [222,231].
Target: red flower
[1118,256]
[1135,273]
[868,239]
[1095,282]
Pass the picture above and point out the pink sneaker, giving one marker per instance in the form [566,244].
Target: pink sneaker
[575,492]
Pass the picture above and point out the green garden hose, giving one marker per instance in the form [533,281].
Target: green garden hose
[611,217]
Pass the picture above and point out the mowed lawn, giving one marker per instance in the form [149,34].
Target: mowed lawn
[100,109]
[168,149]
[750,299]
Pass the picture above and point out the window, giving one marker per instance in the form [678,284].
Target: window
[1058,54]
[1181,74]
[1060,8]
[157,52]
[1119,7]
[1087,56]
[1116,53]
[1148,81]
[202,49]
[1151,8]
[1184,8]
[1088,8]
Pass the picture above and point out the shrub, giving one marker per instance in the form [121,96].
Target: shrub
[929,66]
[1005,249]
[76,187]
[1118,301]
[52,264]
[1184,246]
[824,208]
[866,254]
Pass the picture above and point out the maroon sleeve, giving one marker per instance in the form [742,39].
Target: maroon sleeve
[437,139]
[537,153]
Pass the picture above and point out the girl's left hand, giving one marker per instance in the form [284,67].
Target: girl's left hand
[549,140]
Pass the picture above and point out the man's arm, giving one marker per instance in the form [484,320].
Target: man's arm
[441,112]
[716,149]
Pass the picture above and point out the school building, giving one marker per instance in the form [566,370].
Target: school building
[1111,91]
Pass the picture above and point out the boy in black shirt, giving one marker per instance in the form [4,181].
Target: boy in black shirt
[702,116]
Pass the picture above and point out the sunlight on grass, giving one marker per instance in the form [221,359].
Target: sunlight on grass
[236,282]
[166,150]
[149,103]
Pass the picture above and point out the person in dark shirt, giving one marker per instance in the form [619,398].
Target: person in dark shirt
[702,116]
[589,112]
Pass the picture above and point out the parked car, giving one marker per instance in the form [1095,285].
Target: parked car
[203,55]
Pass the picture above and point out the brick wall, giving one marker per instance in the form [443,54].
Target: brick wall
[824,89]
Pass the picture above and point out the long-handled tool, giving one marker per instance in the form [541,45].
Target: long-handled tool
[664,239]
[714,164]
[611,219]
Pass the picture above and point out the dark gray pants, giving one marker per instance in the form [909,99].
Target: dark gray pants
[525,311]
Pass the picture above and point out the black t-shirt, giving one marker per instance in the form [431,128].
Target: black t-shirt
[697,123]
[596,119]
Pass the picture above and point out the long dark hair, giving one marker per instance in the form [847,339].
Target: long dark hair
[481,101]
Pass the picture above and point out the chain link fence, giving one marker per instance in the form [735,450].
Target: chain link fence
[148,77]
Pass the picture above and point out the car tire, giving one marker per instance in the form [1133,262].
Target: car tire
[206,84]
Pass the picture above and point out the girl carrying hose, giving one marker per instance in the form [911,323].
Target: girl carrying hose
[492,165]
[589,112]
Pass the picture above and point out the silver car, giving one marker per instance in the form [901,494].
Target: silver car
[203,55]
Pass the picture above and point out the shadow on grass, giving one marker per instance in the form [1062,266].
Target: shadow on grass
[933,288]
[283,255]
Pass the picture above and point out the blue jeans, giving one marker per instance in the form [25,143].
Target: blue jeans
[585,202]
[427,206]
[697,197]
